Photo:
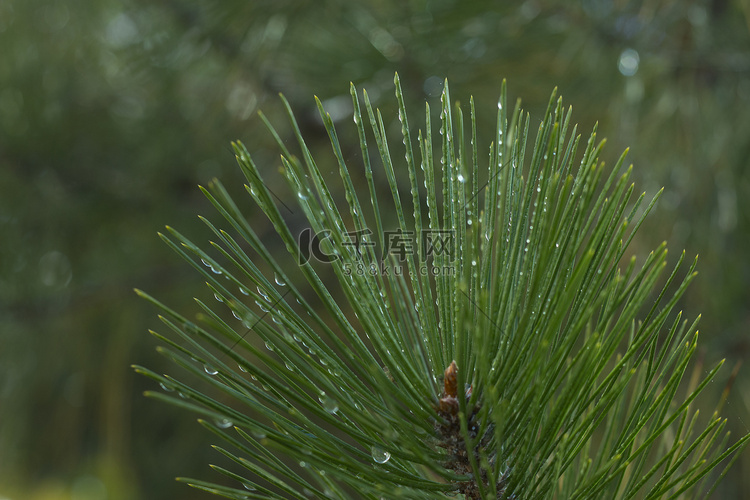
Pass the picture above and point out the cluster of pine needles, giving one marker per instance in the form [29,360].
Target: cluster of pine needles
[512,351]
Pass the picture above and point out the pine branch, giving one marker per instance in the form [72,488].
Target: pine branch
[488,346]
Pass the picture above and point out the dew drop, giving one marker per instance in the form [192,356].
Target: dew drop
[329,404]
[248,486]
[379,455]
[210,370]
[263,294]
[244,291]
[224,423]
[165,387]
[242,368]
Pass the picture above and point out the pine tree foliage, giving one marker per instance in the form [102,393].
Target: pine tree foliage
[519,355]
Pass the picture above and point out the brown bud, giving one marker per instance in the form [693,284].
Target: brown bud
[448,405]
[450,383]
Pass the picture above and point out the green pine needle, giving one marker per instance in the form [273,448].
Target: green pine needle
[494,343]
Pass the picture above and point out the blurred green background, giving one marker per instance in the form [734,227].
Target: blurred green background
[113,111]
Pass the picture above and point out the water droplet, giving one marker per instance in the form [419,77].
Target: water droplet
[244,291]
[224,423]
[165,387]
[263,294]
[301,196]
[379,455]
[210,370]
[242,368]
[248,486]
[216,296]
[329,404]
[258,434]
[461,178]
[269,346]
